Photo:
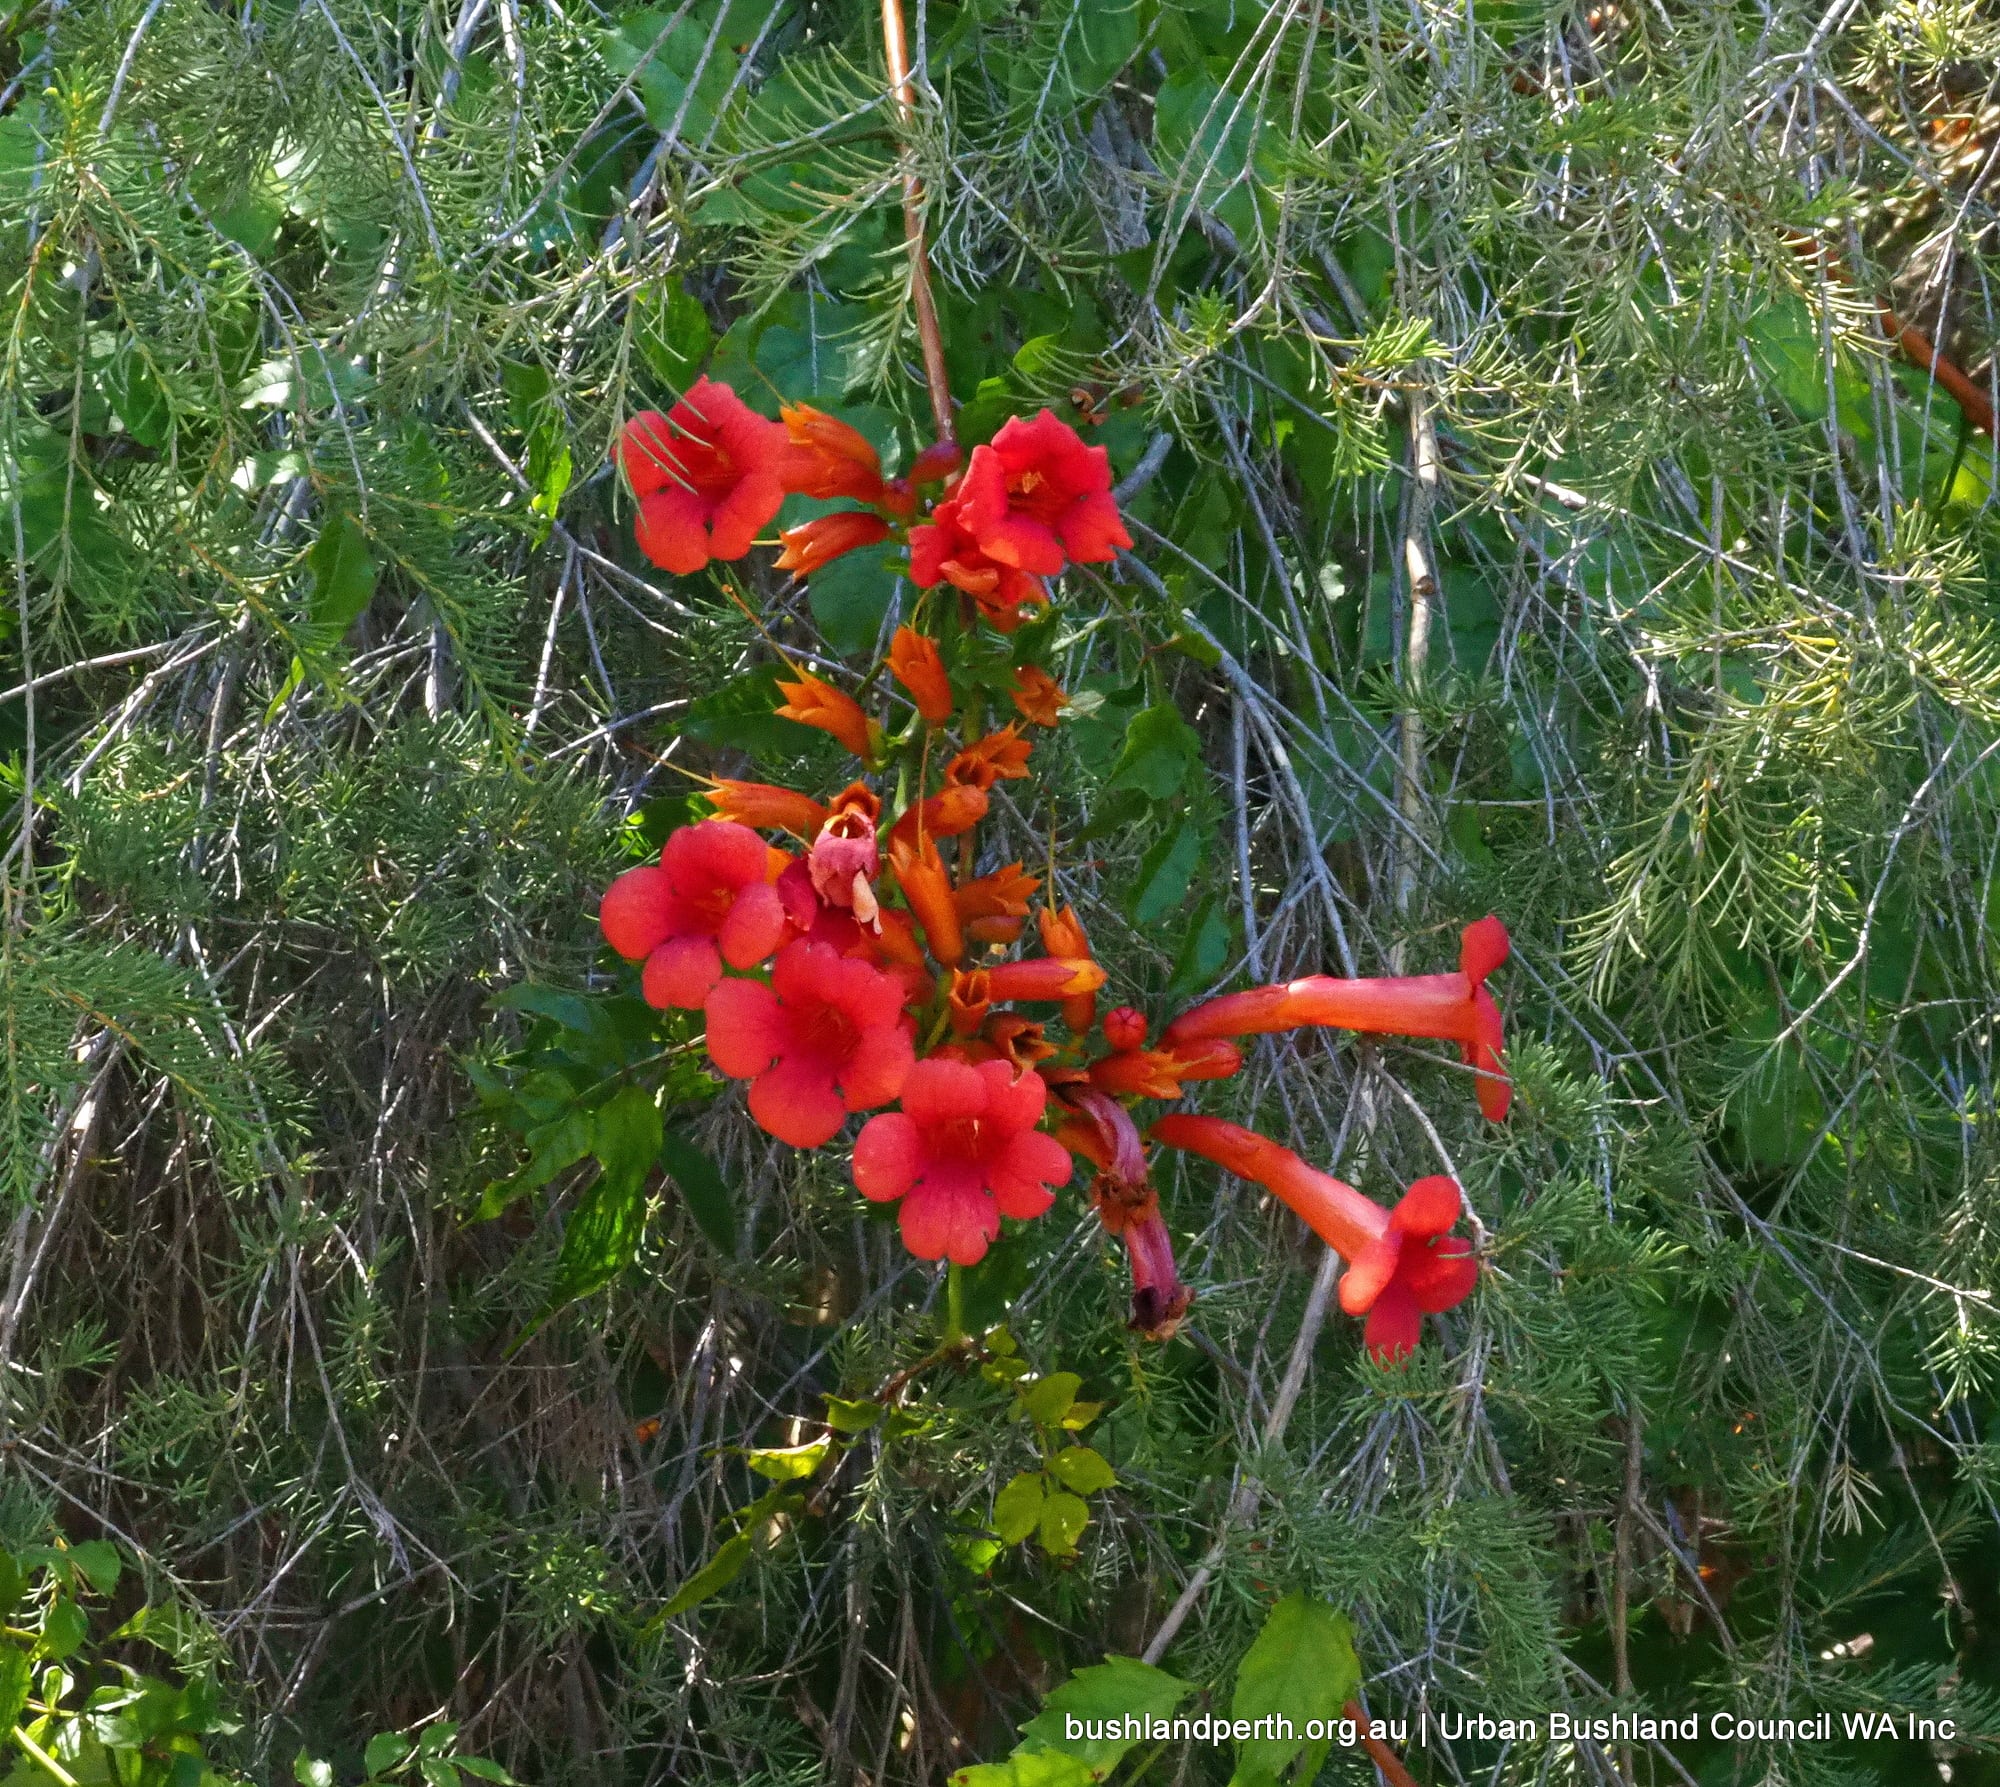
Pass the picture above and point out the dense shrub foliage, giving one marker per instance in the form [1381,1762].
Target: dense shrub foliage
[1556,447]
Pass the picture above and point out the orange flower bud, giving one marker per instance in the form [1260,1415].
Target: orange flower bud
[954,809]
[767,806]
[921,875]
[1003,931]
[827,537]
[1038,696]
[914,661]
[813,703]
[828,457]
[1045,977]
[1062,935]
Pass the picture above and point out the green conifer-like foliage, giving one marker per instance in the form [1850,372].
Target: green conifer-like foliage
[1557,441]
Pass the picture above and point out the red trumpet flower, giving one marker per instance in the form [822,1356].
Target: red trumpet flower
[710,901]
[1456,1007]
[826,1037]
[963,1152]
[708,474]
[1401,1263]
[844,857]
[1036,496]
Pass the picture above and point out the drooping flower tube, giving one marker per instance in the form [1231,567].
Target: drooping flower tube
[998,757]
[955,808]
[1063,935]
[963,1152]
[826,1037]
[1103,1132]
[1132,1070]
[1401,1263]
[1035,496]
[1456,1007]
[710,901]
[708,475]
[920,873]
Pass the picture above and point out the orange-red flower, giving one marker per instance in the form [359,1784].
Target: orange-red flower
[1132,1070]
[766,805]
[814,703]
[826,1037]
[1062,935]
[995,929]
[955,808]
[970,999]
[916,663]
[845,857]
[1038,696]
[1401,1263]
[998,757]
[710,901]
[1052,978]
[826,538]
[1002,894]
[829,458]
[708,475]
[944,550]
[1036,494]
[963,1152]
[1456,1007]
[920,873]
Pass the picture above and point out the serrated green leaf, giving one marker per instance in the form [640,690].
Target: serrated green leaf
[852,1414]
[310,1771]
[63,1630]
[1048,1399]
[1028,1768]
[1083,1469]
[849,598]
[1106,1690]
[786,1464]
[1017,1509]
[100,1563]
[1301,1666]
[16,1679]
[703,1189]
[1159,749]
[1165,872]
[1063,1518]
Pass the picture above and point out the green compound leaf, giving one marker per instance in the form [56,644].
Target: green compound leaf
[1301,1667]
[343,576]
[1083,1469]
[1160,748]
[1017,1509]
[1107,1690]
[1063,1518]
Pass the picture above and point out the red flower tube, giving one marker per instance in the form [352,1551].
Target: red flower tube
[921,875]
[1401,1263]
[828,537]
[1102,1131]
[1045,977]
[828,458]
[1455,1007]
[820,705]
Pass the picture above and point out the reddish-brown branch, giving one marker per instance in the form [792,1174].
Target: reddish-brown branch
[1917,348]
[1379,1753]
[928,332]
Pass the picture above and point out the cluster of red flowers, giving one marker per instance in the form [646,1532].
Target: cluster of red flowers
[858,966]
[711,473]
